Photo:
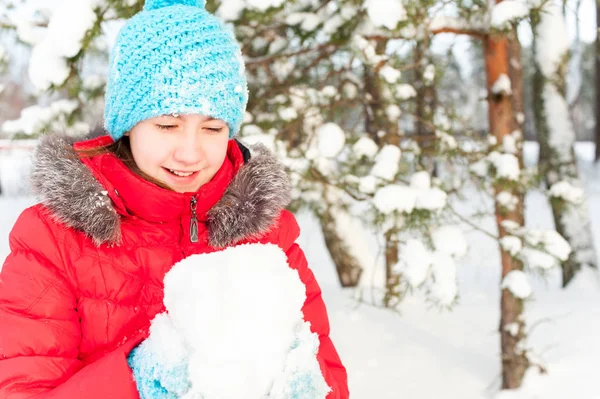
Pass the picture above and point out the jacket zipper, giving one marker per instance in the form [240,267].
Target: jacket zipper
[194,220]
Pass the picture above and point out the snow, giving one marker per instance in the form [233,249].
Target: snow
[507,200]
[516,282]
[506,165]
[330,140]
[405,91]
[230,10]
[263,5]
[511,244]
[308,21]
[365,147]
[390,74]
[552,39]
[288,114]
[567,192]
[390,355]
[385,13]
[502,85]
[420,180]
[561,134]
[236,317]
[63,39]
[395,197]
[433,199]
[508,11]
[450,240]
[387,162]
[444,288]
[34,118]
[414,261]
[429,73]
[393,112]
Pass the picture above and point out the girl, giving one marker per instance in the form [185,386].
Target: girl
[84,278]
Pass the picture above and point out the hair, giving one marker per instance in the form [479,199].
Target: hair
[122,150]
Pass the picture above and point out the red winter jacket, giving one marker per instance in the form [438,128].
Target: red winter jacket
[85,274]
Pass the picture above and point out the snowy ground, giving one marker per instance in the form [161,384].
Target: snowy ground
[423,353]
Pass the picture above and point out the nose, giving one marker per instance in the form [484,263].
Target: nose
[188,150]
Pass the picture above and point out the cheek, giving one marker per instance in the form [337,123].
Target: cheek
[216,151]
[149,154]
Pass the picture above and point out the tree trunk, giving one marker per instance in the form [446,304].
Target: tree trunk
[501,120]
[348,267]
[597,84]
[557,156]
[393,294]
[425,104]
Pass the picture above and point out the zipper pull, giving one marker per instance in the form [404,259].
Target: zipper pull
[193,221]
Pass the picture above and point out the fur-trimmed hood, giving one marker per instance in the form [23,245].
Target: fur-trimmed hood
[68,188]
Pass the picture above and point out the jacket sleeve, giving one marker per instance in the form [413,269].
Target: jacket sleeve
[314,310]
[40,329]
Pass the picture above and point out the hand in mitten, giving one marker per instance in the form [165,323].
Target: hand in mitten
[302,377]
[160,363]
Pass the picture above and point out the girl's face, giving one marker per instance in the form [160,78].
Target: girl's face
[182,151]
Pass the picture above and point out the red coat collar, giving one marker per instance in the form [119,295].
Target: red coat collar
[134,196]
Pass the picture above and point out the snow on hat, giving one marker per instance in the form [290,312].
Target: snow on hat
[174,57]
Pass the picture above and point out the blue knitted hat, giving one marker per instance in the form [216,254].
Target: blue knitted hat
[174,57]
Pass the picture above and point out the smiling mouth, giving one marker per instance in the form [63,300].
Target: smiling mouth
[179,173]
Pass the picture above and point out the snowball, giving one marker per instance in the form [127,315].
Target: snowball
[385,13]
[414,262]
[565,191]
[444,288]
[387,162]
[237,310]
[516,282]
[450,240]
[395,197]
[511,244]
[330,140]
[365,147]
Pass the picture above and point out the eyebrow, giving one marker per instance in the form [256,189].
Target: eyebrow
[179,116]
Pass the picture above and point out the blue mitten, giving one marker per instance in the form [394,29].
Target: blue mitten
[160,363]
[301,377]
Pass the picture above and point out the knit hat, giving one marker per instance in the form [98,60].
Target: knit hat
[174,57]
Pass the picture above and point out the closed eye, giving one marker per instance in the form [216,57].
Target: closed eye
[166,127]
[215,129]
